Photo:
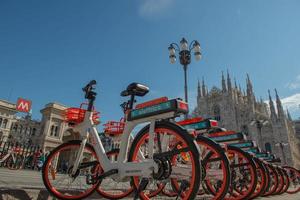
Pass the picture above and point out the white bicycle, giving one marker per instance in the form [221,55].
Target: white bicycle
[161,153]
[12,159]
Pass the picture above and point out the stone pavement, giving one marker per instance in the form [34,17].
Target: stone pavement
[28,185]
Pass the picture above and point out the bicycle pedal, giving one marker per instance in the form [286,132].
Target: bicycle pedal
[91,180]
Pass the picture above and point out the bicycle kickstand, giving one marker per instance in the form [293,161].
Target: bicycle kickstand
[143,184]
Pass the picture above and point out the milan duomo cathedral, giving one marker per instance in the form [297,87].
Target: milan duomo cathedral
[241,111]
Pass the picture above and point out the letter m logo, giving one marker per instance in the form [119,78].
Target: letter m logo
[23,105]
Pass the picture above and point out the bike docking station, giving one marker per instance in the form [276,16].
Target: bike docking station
[188,159]
[162,155]
[250,168]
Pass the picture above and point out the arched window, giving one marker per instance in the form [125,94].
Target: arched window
[1,134]
[0,122]
[33,131]
[217,112]
[56,131]
[52,130]
[268,147]
[5,123]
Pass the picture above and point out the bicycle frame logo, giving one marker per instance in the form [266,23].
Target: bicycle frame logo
[23,105]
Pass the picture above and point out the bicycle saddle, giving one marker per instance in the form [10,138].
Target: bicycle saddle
[135,89]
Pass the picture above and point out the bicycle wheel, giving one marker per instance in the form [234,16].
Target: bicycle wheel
[261,178]
[243,172]
[177,158]
[216,176]
[110,188]
[57,170]
[286,181]
[280,180]
[294,179]
[14,162]
[273,180]
[215,171]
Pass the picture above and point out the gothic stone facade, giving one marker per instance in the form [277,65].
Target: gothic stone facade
[240,111]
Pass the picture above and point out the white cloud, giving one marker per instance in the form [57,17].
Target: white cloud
[294,84]
[153,8]
[292,102]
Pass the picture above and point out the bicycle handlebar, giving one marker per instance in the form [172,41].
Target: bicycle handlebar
[90,94]
[89,87]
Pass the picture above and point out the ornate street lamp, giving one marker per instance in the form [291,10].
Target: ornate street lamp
[184,51]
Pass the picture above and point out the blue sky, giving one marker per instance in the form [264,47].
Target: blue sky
[50,49]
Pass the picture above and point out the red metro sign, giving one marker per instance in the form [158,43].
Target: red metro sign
[23,105]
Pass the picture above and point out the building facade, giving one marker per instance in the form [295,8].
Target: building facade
[7,115]
[47,134]
[296,143]
[239,110]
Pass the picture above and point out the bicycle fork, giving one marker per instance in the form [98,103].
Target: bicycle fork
[79,155]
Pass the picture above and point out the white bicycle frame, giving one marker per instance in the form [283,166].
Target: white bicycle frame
[143,168]
[9,153]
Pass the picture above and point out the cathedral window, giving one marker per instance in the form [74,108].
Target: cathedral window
[268,147]
[5,123]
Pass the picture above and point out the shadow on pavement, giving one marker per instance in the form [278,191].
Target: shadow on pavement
[19,194]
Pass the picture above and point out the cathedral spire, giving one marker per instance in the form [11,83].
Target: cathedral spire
[249,86]
[223,83]
[199,89]
[279,106]
[229,83]
[272,108]
[203,88]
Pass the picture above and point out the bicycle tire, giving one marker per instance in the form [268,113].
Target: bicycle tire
[294,181]
[185,137]
[46,181]
[113,195]
[273,180]
[286,181]
[220,153]
[253,176]
[262,182]
[280,181]
[216,153]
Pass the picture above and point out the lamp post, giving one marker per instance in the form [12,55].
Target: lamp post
[184,51]
[281,145]
[259,125]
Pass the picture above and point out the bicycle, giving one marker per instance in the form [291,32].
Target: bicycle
[154,155]
[12,159]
